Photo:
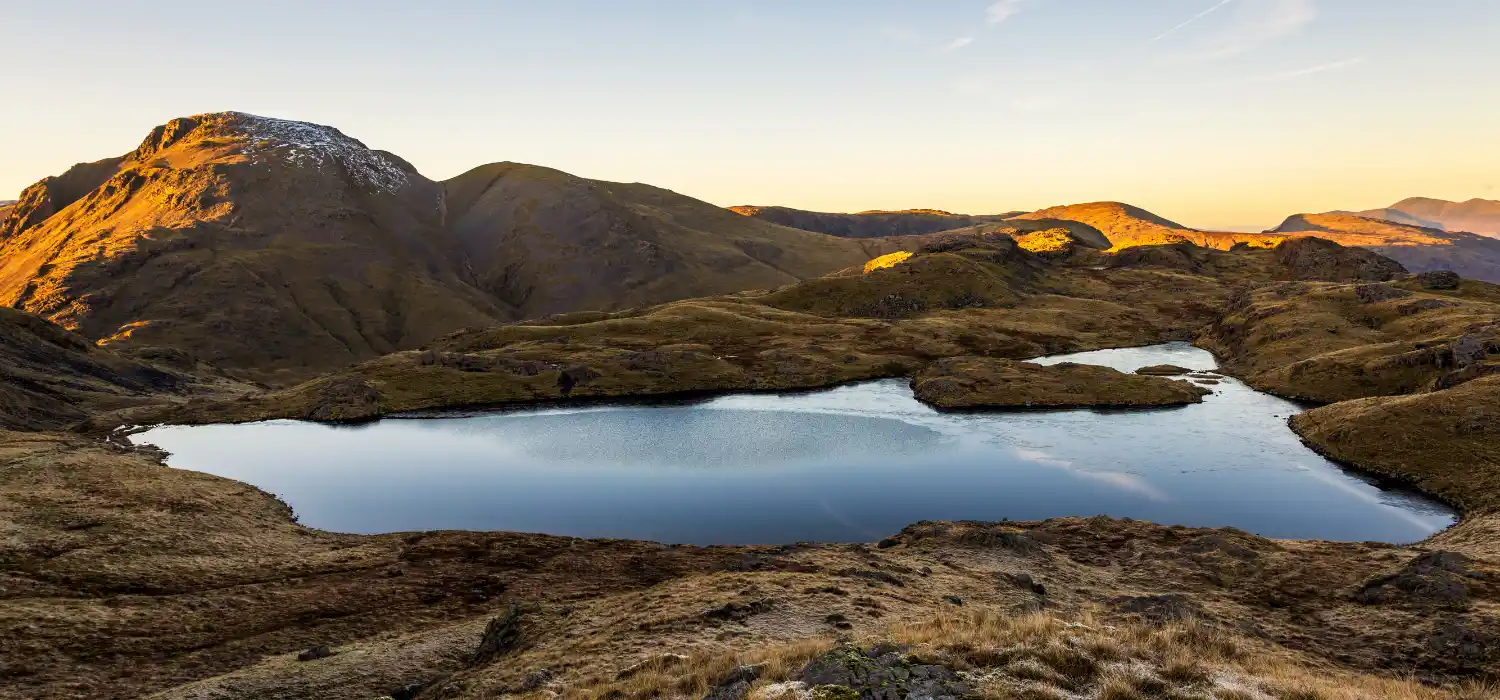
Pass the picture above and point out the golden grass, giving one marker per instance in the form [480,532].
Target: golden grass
[887,260]
[1048,657]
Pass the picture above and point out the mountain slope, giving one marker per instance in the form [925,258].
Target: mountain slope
[545,242]
[50,378]
[251,242]
[1419,249]
[1128,226]
[1474,216]
[282,248]
[867,224]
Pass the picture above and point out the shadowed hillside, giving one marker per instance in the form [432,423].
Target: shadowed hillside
[1419,249]
[51,378]
[868,224]
[284,248]
[543,241]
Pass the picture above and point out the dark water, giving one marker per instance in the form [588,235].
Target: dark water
[855,463]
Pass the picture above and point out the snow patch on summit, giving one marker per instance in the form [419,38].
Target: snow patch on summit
[302,143]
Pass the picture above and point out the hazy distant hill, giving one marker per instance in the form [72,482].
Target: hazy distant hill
[1474,216]
[278,245]
[1419,249]
[869,224]
[1127,226]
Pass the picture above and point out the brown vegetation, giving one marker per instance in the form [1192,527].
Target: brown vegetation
[977,382]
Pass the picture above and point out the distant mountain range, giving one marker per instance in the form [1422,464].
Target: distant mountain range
[1480,216]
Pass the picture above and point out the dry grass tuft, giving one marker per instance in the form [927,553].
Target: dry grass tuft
[1045,657]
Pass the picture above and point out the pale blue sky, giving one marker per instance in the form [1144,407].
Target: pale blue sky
[1218,113]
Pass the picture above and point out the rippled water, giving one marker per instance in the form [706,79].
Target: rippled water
[853,463]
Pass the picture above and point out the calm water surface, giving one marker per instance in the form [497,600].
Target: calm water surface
[854,463]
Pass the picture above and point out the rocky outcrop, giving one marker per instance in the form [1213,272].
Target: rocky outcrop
[881,672]
[977,382]
[1318,259]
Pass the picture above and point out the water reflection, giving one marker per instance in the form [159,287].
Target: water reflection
[851,463]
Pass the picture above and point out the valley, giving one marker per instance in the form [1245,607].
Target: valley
[284,418]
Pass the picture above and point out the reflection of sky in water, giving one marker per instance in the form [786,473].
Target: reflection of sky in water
[851,463]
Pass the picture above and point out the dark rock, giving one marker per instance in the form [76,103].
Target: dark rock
[318,652]
[1430,579]
[410,691]
[737,612]
[1025,582]
[736,685]
[831,590]
[1373,293]
[572,376]
[954,599]
[1156,608]
[1459,644]
[888,542]
[1439,279]
[882,672]
[500,637]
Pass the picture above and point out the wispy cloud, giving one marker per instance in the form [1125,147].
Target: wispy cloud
[1190,20]
[1255,22]
[1003,10]
[1321,68]
[958,43]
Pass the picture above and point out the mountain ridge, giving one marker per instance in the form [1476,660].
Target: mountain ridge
[313,250]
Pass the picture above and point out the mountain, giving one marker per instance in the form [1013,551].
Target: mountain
[1395,216]
[868,224]
[1127,226]
[1474,216]
[1419,249]
[544,242]
[283,248]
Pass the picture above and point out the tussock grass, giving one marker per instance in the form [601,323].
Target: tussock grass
[1047,657]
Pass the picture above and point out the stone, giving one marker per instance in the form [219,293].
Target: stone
[881,672]
[500,637]
[954,599]
[1026,582]
[1437,578]
[318,652]
[736,686]
[1439,279]
[1375,293]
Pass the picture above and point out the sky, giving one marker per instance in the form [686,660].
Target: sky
[1215,113]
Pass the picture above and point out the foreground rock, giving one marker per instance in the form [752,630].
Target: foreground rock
[981,382]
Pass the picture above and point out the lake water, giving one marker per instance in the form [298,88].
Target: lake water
[853,463]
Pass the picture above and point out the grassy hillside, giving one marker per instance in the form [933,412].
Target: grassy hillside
[1127,226]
